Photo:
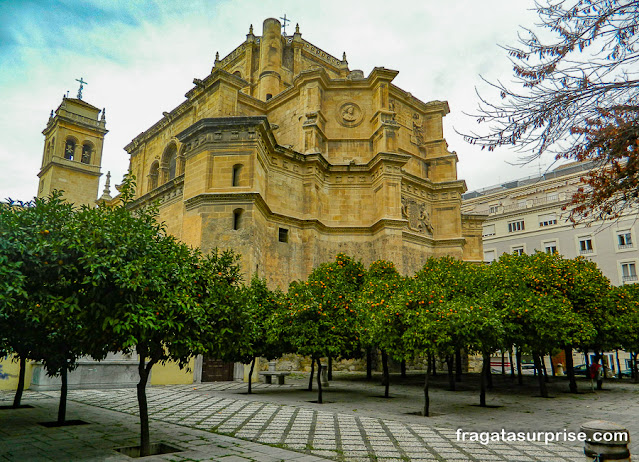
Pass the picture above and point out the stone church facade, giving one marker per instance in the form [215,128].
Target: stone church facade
[287,156]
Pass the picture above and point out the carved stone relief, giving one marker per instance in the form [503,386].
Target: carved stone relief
[349,115]
[417,216]
[417,136]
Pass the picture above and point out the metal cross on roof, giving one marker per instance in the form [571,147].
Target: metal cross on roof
[284,21]
[82,82]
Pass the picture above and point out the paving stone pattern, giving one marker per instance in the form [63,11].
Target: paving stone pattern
[327,434]
[22,439]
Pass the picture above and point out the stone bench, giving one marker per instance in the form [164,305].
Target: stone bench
[268,375]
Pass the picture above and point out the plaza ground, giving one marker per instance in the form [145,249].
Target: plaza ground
[219,421]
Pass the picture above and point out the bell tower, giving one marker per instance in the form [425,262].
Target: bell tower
[72,156]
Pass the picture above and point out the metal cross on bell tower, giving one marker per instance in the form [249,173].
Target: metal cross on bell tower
[284,22]
[82,83]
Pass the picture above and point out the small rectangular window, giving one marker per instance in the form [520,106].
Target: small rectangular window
[585,245]
[489,256]
[283,235]
[518,250]
[515,226]
[488,230]
[547,219]
[493,209]
[624,240]
[628,272]
[550,247]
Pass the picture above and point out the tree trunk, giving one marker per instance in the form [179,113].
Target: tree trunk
[520,377]
[319,381]
[143,370]
[458,365]
[484,379]
[503,363]
[426,398]
[635,367]
[540,377]
[62,408]
[310,379]
[250,378]
[618,365]
[402,367]
[569,370]
[586,359]
[330,368]
[386,379]
[512,366]
[369,363]
[23,365]
[451,375]
[433,366]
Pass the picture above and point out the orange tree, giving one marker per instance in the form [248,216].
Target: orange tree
[260,306]
[588,290]
[626,298]
[12,292]
[320,319]
[475,325]
[408,325]
[580,283]
[453,278]
[381,322]
[39,241]
[147,292]
[536,318]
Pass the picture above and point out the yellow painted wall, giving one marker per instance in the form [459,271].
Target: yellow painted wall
[12,368]
[171,374]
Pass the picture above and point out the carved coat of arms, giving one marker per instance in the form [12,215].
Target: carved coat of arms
[417,216]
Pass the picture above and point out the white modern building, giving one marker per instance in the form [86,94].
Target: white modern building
[526,215]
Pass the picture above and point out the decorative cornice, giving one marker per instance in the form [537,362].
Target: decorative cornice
[87,169]
[172,189]
[256,198]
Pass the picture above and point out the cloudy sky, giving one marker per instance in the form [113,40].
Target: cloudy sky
[140,57]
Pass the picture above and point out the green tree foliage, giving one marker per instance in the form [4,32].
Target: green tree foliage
[380,326]
[155,295]
[43,325]
[260,305]
[626,298]
[321,318]
[567,302]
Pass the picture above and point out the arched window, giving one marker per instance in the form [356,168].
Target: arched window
[238,73]
[169,162]
[237,169]
[69,149]
[87,149]
[181,161]
[268,96]
[237,218]
[153,175]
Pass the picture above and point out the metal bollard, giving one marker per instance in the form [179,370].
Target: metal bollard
[606,441]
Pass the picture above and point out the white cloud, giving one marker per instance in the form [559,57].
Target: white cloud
[139,61]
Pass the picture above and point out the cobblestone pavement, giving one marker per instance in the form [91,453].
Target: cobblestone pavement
[376,430]
[22,439]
